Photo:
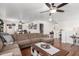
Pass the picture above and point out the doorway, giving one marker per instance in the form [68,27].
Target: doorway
[41,28]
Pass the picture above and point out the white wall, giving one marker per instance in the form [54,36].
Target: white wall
[13,29]
[48,26]
[70,26]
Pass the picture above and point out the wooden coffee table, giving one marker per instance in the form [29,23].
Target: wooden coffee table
[36,51]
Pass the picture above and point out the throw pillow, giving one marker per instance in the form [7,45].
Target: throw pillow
[9,39]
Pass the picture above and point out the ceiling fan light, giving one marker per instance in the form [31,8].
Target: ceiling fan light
[50,19]
[53,11]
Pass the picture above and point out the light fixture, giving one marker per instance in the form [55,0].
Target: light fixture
[53,10]
[50,19]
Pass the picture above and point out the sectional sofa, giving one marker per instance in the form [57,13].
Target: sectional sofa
[10,45]
[26,40]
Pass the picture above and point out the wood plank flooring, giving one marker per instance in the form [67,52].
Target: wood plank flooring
[73,50]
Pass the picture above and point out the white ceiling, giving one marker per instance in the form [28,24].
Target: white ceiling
[31,11]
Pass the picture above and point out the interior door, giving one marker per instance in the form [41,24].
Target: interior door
[41,28]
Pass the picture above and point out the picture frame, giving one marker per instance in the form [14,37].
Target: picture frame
[32,26]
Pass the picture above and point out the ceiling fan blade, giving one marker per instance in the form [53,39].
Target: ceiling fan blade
[61,5]
[44,11]
[60,10]
[48,5]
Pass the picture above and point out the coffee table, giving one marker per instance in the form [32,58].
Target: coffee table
[37,50]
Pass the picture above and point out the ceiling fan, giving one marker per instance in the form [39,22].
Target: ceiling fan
[54,9]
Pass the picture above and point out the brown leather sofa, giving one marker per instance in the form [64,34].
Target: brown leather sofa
[26,40]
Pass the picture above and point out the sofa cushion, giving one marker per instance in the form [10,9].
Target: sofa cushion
[1,44]
[8,39]
[23,42]
[35,40]
[45,36]
[20,37]
[35,35]
[1,36]
[15,52]
[7,54]
[10,46]
[47,39]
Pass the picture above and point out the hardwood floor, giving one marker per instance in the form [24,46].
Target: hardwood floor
[73,50]
[26,51]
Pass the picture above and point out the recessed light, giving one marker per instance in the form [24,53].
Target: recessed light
[50,19]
